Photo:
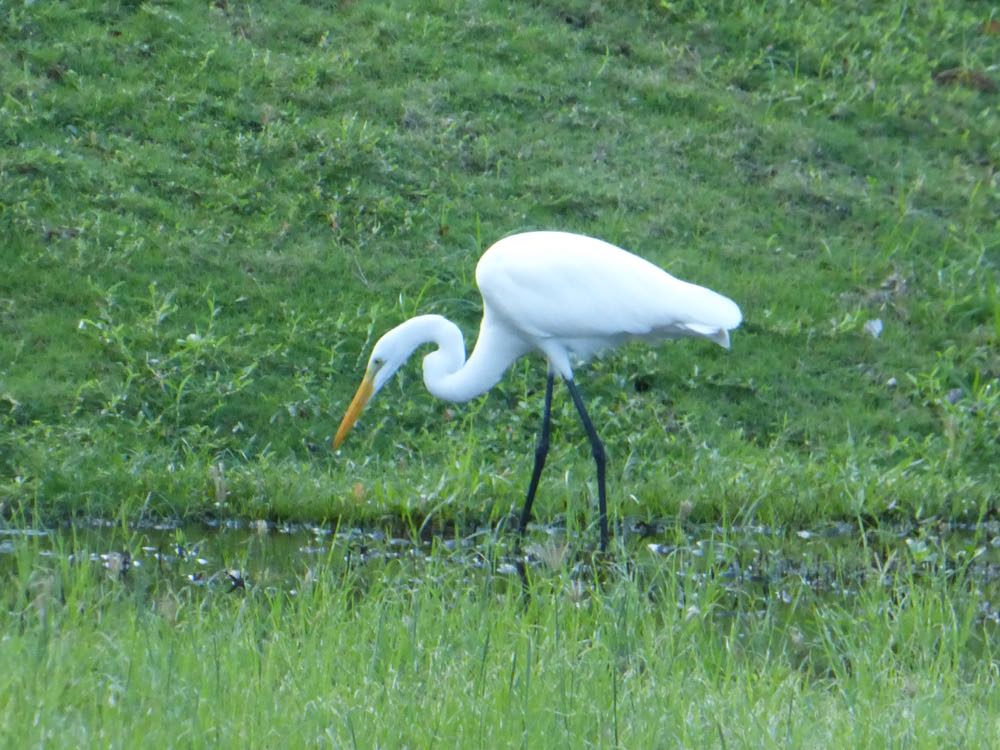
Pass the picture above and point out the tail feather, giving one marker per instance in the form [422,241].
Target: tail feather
[719,335]
[713,317]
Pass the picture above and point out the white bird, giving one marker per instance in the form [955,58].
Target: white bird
[566,296]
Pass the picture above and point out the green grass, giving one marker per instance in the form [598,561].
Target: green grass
[209,212]
[432,652]
[212,209]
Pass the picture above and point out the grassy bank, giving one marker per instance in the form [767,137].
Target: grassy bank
[210,210]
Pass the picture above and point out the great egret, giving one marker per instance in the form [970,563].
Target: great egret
[565,295]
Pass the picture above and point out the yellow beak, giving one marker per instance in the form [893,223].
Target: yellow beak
[354,410]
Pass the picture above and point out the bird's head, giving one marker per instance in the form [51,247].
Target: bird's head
[389,354]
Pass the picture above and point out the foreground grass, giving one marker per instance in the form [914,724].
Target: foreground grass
[389,657]
[210,210]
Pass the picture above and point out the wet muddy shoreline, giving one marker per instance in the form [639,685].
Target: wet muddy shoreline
[756,565]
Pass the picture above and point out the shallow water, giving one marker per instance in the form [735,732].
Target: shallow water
[754,566]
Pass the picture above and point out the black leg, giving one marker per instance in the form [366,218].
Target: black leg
[597,449]
[541,451]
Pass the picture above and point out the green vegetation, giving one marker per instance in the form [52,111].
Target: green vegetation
[431,651]
[210,210]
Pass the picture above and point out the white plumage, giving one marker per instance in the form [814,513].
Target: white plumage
[580,294]
[565,295]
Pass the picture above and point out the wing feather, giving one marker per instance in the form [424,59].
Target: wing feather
[569,287]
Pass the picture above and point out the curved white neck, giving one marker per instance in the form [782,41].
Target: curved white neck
[447,374]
